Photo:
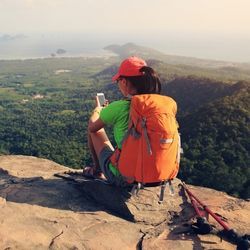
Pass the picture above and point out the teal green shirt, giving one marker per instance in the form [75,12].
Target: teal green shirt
[116,114]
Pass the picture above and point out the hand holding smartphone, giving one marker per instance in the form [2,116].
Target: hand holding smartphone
[101,99]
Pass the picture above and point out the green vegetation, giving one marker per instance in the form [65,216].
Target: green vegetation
[45,105]
[216,145]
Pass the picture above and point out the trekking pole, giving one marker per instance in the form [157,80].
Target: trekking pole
[201,226]
[241,241]
[224,225]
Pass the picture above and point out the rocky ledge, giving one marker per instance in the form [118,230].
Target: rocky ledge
[42,211]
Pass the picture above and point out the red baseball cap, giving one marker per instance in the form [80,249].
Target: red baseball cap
[130,67]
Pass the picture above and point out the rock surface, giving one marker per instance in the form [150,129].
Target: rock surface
[41,211]
[142,207]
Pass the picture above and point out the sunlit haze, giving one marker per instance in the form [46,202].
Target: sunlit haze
[218,29]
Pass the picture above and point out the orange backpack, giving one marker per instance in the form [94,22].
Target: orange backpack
[151,149]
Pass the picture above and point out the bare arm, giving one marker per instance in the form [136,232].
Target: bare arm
[95,123]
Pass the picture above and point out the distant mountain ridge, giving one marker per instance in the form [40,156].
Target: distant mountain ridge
[129,49]
[169,72]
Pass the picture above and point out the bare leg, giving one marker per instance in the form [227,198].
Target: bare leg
[100,140]
[93,153]
[97,141]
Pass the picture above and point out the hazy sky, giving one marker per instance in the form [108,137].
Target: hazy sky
[218,29]
[227,16]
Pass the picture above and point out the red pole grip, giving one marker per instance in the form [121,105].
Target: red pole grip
[224,225]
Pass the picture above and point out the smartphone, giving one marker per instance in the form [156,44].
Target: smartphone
[101,98]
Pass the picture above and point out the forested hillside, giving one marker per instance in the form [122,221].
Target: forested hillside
[193,92]
[45,105]
[216,144]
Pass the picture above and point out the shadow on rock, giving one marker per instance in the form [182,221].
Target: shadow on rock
[52,193]
[91,195]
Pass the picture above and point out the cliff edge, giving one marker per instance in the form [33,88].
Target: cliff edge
[41,211]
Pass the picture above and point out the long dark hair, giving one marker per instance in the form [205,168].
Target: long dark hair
[148,83]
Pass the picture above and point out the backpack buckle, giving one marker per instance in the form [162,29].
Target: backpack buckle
[163,187]
[162,191]
[136,188]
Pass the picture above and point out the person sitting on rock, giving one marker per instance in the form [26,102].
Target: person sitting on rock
[134,77]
